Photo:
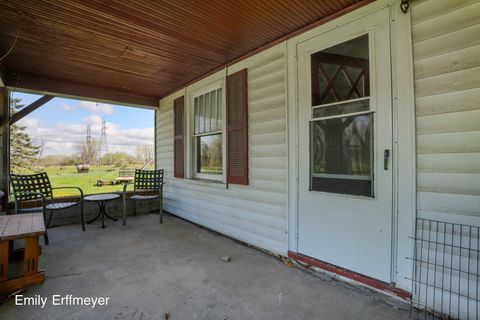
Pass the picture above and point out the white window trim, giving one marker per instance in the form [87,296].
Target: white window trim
[208,133]
[191,153]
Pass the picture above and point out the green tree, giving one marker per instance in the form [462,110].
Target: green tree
[119,159]
[215,155]
[23,151]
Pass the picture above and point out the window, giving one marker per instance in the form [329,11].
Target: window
[341,125]
[217,120]
[208,110]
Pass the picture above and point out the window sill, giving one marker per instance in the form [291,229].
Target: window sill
[207,182]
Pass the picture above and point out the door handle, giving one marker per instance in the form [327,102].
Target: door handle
[386,155]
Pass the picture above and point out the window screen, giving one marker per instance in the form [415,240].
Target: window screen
[208,112]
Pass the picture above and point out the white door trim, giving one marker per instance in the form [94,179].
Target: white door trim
[404,188]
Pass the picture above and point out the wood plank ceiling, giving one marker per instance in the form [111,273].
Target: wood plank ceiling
[137,51]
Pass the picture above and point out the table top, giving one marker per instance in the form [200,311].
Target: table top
[102,197]
[18,226]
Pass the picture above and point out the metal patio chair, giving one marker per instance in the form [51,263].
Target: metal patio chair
[150,181]
[37,186]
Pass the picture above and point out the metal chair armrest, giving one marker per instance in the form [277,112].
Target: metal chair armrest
[79,189]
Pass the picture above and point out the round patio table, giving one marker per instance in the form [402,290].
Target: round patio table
[101,200]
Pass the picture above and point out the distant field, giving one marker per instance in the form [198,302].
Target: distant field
[67,176]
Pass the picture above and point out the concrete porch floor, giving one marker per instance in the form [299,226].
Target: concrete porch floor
[148,269]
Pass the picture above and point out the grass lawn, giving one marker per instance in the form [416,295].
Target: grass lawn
[67,176]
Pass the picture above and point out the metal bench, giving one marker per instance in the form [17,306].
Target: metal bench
[125,176]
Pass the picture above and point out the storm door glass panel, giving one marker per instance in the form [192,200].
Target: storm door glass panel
[341,125]
[341,73]
[342,155]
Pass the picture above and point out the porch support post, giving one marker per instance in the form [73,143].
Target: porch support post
[4,145]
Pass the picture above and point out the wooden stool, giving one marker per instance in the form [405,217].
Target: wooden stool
[27,226]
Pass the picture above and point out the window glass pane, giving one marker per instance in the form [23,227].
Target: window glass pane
[327,70]
[213,118]
[344,108]
[208,112]
[219,109]
[342,145]
[196,113]
[201,120]
[208,108]
[343,186]
[341,72]
[209,150]
[341,155]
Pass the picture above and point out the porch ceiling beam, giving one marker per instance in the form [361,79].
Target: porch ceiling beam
[30,108]
[61,88]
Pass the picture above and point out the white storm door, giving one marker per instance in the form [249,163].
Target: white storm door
[345,145]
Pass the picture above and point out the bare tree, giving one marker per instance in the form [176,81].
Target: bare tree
[41,148]
[88,150]
[144,153]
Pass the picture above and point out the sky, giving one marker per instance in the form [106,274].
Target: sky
[60,124]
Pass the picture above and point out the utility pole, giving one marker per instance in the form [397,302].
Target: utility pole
[103,140]
[89,135]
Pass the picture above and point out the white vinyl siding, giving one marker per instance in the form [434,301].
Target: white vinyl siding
[257,213]
[446,52]
[446,48]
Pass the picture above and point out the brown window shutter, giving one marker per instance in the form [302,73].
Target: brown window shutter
[237,128]
[178,138]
